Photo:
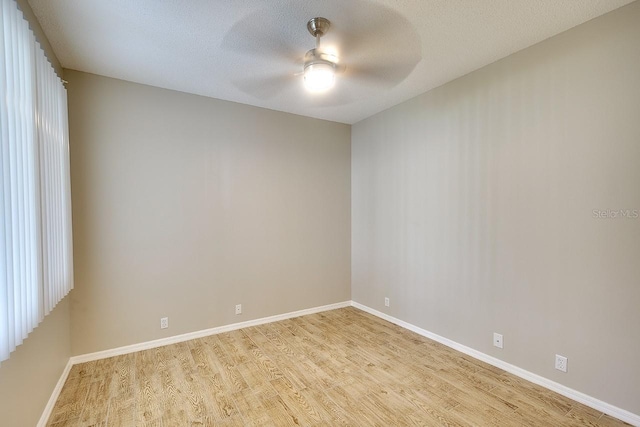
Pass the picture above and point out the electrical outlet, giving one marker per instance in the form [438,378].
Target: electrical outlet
[386,302]
[497,340]
[561,363]
[238,308]
[164,323]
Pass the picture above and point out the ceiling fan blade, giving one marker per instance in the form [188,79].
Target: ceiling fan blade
[262,37]
[265,87]
[384,48]
[385,75]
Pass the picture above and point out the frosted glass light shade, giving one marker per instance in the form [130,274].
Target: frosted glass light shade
[319,77]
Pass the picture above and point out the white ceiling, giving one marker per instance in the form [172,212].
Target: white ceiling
[248,51]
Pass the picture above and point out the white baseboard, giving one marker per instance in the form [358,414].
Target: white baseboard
[54,396]
[203,333]
[585,399]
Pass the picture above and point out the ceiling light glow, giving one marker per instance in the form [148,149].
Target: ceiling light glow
[319,76]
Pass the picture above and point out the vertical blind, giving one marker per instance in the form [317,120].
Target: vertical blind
[36,266]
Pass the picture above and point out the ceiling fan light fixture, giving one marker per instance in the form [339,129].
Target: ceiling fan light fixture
[319,76]
[319,67]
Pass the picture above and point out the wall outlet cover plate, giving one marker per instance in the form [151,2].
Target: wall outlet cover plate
[561,363]
[498,340]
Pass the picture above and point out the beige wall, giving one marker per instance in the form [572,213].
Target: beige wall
[472,208]
[184,206]
[27,378]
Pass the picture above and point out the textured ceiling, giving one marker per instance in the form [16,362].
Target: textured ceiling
[249,51]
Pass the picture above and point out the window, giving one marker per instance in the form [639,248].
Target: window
[36,266]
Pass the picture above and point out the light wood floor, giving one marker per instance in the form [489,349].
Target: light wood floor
[342,367]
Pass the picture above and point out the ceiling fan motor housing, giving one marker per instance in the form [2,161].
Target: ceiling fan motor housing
[315,56]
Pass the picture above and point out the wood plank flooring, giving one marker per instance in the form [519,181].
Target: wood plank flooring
[337,368]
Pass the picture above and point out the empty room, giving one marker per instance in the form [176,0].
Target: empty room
[319,213]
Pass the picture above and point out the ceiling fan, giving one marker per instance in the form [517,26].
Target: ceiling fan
[365,47]
[319,67]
